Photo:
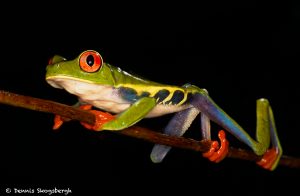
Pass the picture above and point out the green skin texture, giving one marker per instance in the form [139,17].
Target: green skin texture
[113,77]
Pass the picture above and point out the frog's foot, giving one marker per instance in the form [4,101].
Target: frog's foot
[101,118]
[268,161]
[59,120]
[216,154]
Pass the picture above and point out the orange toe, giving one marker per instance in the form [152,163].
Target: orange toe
[57,122]
[268,159]
[213,148]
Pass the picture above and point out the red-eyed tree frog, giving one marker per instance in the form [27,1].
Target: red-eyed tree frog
[130,98]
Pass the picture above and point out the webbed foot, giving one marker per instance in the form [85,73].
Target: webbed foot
[216,154]
[101,118]
[269,159]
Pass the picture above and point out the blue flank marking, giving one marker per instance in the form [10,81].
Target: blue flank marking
[177,97]
[130,94]
[161,95]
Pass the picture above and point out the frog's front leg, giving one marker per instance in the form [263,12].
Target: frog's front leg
[106,121]
[127,118]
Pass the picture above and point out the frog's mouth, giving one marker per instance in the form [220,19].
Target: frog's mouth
[72,85]
[66,82]
[54,82]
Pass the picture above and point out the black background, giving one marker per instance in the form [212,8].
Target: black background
[239,52]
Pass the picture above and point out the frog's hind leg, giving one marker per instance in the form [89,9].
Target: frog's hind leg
[216,152]
[176,127]
[265,130]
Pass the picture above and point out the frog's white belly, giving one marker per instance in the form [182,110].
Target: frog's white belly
[106,97]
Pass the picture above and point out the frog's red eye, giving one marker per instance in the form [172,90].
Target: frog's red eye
[90,61]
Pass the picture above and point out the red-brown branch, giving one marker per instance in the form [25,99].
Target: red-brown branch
[69,112]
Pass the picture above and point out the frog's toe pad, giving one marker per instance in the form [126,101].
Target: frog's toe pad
[57,122]
[216,154]
[269,158]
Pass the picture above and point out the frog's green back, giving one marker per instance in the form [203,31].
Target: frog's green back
[89,68]
[121,77]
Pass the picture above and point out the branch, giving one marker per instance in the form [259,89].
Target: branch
[69,113]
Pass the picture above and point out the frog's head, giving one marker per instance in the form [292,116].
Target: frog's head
[87,68]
